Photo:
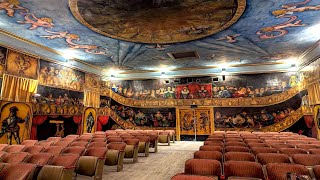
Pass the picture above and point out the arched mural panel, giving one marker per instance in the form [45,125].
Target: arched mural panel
[15,122]
[89,120]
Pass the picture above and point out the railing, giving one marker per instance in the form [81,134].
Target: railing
[117,119]
[215,102]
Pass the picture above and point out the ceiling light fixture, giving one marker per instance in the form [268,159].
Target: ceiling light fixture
[112,77]
[163,75]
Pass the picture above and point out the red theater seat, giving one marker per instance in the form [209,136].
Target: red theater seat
[292,151]
[208,155]
[74,150]
[257,150]
[18,172]
[14,148]
[243,169]
[2,146]
[204,167]
[306,159]
[191,177]
[56,150]
[265,158]
[54,139]
[29,142]
[79,143]
[236,149]
[33,149]
[279,171]
[45,143]
[238,156]
[39,159]
[211,148]
[97,144]
[14,158]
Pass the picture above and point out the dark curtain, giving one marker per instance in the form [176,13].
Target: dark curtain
[78,120]
[102,120]
[36,120]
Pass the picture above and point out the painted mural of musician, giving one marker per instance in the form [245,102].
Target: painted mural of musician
[90,122]
[10,125]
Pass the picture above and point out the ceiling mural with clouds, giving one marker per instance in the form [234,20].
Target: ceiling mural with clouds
[266,31]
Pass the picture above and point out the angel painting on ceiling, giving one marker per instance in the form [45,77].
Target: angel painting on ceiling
[289,9]
[10,6]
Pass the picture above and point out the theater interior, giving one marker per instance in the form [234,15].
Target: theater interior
[159,89]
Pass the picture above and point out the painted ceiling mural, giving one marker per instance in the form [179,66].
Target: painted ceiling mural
[267,31]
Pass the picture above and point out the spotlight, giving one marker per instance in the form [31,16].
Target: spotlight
[163,75]
[112,77]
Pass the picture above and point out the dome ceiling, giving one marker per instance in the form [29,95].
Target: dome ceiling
[137,35]
[158,21]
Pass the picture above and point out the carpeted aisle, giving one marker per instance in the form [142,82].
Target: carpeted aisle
[158,166]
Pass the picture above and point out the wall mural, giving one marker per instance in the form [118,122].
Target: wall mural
[92,81]
[317,115]
[54,101]
[150,117]
[200,88]
[89,120]
[19,64]
[56,75]
[256,117]
[3,57]
[15,123]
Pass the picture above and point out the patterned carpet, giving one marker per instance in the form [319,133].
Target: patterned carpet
[158,166]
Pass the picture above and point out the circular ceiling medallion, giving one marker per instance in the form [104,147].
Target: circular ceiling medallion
[157,21]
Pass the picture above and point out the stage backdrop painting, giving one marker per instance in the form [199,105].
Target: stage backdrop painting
[22,65]
[60,76]
[15,123]
[147,117]
[3,56]
[256,117]
[89,120]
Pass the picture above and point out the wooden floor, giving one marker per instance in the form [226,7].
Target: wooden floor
[158,166]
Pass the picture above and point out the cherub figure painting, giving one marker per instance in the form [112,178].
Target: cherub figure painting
[289,9]
[37,22]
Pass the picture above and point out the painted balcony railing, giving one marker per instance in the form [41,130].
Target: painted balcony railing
[117,119]
[277,127]
[215,102]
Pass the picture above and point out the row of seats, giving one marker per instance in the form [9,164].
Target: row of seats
[64,158]
[233,155]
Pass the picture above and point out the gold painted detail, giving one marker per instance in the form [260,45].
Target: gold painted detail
[53,109]
[277,127]
[215,102]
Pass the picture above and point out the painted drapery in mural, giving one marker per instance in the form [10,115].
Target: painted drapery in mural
[204,87]
[256,117]
[15,123]
[60,76]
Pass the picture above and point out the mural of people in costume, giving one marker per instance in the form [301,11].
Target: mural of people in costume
[10,125]
[90,122]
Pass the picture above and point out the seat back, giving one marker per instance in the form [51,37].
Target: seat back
[306,159]
[236,149]
[279,171]
[208,155]
[75,150]
[210,148]
[18,171]
[45,143]
[238,156]
[39,159]
[243,169]
[97,144]
[67,161]
[79,143]
[205,167]
[29,142]
[33,149]
[191,177]
[292,151]
[14,148]
[14,158]
[54,139]
[265,158]
[117,146]
[257,150]
[99,152]
[2,146]
[235,144]
[98,140]
[53,149]
[213,143]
